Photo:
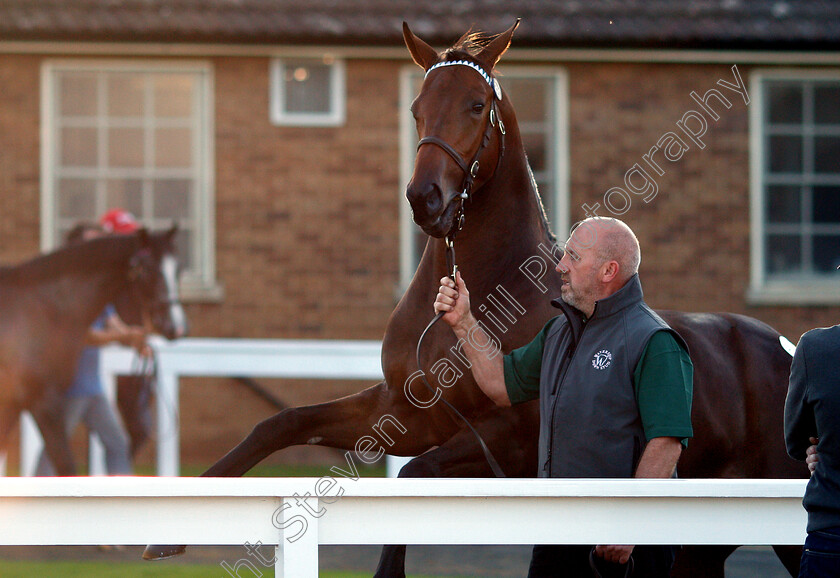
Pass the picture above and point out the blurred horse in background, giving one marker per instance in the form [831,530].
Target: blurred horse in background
[46,307]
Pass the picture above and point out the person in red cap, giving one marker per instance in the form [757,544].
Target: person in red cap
[118,221]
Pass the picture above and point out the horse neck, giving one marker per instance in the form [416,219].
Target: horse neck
[90,276]
[504,223]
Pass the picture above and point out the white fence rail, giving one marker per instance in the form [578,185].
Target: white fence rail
[203,357]
[130,510]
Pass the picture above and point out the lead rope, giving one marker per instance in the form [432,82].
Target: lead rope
[470,173]
[452,269]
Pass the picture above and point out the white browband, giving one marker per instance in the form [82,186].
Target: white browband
[494,84]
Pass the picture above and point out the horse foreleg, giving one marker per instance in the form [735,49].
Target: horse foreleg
[376,411]
[506,433]
[48,413]
[336,424]
[8,419]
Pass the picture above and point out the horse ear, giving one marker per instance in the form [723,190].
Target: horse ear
[491,53]
[423,54]
[143,235]
[172,230]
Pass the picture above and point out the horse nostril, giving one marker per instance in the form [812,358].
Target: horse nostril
[426,202]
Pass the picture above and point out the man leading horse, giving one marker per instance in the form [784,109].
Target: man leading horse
[613,379]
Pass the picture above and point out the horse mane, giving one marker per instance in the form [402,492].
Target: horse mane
[540,206]
[94,255]
[470,44]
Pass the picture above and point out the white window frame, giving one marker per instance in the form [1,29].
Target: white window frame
[201,284]
[560,158]
[277,96]
[763,291]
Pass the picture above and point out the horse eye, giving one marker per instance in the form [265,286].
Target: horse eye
[478,107]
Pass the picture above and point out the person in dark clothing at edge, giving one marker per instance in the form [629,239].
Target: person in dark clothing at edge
[812,434]
[608,360]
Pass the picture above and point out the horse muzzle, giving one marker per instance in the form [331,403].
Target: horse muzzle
[171,320]
[431,213]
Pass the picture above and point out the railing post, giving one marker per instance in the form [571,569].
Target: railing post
[393,465]
[297,552]
[168,427]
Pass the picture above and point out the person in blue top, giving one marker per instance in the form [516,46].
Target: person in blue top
[613,380]
[85,401]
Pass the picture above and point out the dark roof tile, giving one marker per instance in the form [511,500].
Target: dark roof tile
[791,24]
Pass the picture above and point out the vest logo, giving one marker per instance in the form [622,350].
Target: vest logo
[602,359]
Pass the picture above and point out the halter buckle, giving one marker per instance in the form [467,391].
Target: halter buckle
[474,169]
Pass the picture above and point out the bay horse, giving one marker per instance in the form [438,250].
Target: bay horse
[741,369]
[48,304]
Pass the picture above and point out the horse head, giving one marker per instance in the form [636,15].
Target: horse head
[153,274]
[461,132]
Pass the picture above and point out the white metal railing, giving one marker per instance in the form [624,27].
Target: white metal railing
[132,510]
[206,357]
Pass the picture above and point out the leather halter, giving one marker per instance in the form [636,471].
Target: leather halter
[470,170]
[137,272]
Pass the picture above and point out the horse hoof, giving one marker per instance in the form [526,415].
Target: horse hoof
[158,552]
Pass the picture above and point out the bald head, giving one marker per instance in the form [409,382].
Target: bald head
[611,240]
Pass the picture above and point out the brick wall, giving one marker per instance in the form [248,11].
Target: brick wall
[307,218]
[20,198]
[695,233]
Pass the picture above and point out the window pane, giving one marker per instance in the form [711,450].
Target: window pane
[827,104]
[125,193]
[785,154]
[826,253]
[77,199]
[135,147]
[172,199]
[826,205]
[173,96]
[125,95]
[307,86]
[783,204]
[784,103]
[784,254]
[173,147]
[183,243]
[529,96]
[125,147]
[827,154]
[77,94]
[78,147]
